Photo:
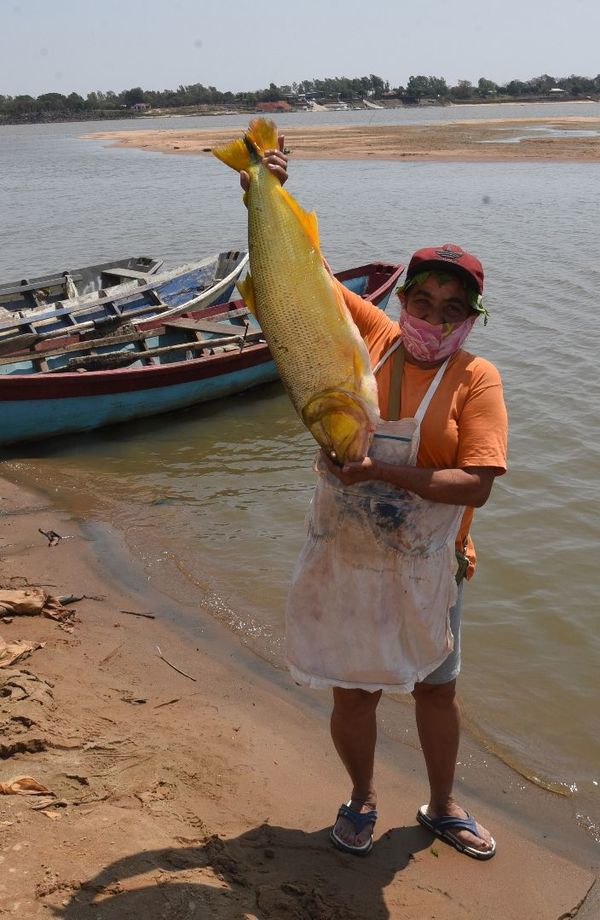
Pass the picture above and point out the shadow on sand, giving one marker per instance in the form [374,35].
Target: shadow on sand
[268,873]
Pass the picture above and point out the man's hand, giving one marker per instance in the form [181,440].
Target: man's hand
[350,473]
[275,161]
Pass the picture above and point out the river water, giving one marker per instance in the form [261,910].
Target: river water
[212,500]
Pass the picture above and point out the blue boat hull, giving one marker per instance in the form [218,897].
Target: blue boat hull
[37,419]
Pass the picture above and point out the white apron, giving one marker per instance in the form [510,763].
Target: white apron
[370,594]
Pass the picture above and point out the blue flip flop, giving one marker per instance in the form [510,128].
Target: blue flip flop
[442,828]
[359,822]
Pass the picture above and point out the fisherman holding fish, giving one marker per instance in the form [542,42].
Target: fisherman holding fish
[376,595]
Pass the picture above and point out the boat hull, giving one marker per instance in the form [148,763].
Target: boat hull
[111,397]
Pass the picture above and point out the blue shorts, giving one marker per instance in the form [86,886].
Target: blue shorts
[450,667]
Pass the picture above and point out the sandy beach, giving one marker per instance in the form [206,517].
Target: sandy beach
[494,140]
[209,793]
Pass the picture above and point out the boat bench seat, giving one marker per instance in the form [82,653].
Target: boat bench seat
[195,325]
[39,286]
[126,273]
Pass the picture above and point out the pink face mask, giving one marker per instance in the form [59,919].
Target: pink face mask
[432,343]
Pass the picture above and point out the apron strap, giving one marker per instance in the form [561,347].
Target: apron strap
[396,350]
[384,358]
[394,393]
[420,413]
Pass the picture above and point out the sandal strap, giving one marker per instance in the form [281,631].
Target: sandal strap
[358,820]
[456,824]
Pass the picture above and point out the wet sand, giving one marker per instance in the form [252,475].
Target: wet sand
[494,140]
[212,796]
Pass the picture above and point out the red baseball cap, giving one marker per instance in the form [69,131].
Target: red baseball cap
[450,258]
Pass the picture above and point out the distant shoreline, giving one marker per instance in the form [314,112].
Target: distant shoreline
[558,139]
[210,111]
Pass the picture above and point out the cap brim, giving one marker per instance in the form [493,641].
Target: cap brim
[445,266]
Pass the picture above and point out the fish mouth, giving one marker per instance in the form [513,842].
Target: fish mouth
[341,423]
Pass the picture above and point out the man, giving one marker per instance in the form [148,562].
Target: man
[374,604]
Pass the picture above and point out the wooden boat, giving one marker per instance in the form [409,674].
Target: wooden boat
[45,290]
[165,364]
[189,286]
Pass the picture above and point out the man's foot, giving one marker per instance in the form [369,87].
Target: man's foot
[459,829]
[353,830]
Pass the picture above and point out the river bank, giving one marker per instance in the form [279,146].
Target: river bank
[568,138]
[171,795]
[249,110]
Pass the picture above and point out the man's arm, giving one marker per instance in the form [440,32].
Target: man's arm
[470,486]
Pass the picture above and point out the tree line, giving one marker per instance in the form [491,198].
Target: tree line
[56,106]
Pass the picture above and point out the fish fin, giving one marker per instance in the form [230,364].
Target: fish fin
[307,220]
[246,289]
[262,134]
[236,154]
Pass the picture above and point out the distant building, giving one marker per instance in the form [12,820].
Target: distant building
[301,98]
[280,106]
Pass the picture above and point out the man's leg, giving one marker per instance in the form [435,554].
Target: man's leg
[354,734]
[438,723]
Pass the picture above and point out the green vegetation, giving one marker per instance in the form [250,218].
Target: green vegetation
[544,86]
[96,105]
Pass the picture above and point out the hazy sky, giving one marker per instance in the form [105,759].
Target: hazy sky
[77,45]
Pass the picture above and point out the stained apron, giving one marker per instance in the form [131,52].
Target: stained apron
[375,580]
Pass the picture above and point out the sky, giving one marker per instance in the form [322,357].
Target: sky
[79,46]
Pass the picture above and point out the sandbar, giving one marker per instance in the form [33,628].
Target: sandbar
[564,139]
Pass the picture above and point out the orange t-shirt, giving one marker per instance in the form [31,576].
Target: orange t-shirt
[465,424]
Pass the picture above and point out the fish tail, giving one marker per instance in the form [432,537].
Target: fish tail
[248,150]
[262,134]
[237,154]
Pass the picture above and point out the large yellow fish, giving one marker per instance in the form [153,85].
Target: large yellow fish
[320,355]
